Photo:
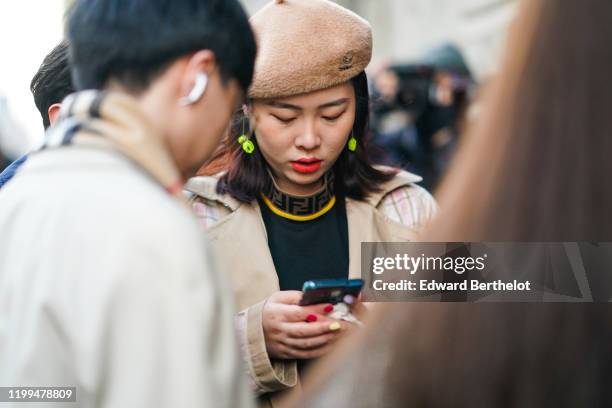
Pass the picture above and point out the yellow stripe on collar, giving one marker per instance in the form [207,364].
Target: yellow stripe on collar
[293,217]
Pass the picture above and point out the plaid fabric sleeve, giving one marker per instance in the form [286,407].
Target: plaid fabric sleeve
[207,212]
[411,206]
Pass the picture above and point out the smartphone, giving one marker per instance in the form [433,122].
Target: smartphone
[329,290]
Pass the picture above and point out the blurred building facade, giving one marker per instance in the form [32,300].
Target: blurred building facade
[405,29]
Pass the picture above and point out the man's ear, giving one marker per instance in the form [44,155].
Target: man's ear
[53,112]
[201,62]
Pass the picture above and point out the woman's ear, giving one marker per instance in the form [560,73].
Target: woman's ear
[249,113]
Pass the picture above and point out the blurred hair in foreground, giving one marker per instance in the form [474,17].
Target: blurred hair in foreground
[534,168]
[474,355]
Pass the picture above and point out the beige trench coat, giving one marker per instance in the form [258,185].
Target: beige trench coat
[240,243]
[109,286]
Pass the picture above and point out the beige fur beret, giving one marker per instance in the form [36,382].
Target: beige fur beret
[307,45]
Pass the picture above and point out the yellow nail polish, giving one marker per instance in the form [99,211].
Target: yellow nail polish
[335,326]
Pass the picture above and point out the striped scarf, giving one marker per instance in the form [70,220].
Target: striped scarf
[112,120]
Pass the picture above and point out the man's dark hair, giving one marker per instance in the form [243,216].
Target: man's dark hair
[135,41]
[356,177]
[52,82]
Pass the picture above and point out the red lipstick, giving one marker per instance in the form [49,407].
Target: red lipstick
[306,165]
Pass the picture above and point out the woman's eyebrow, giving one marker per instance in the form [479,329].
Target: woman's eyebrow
[338,102]
[283,105]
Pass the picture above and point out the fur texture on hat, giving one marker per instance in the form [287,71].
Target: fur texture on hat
[306,46]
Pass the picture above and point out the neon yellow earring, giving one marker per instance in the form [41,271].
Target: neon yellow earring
[352,143]
[247,145]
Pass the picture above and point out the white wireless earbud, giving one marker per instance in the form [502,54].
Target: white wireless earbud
[197,91]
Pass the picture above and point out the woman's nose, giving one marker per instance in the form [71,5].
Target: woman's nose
[308,139]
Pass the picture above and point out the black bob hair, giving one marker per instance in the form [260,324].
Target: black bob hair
[52,82]
[135,41]
[355,175]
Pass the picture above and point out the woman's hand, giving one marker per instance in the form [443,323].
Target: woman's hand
[298,332]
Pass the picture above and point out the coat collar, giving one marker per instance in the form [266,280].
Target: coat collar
[206,187]
[401,179]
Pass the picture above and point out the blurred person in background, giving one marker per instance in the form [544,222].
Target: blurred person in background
[12,136]
[107,283]
[50,85]
[441,125]
[3,162]
[533,169]
[399,98]
[299,193]
[418,111]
